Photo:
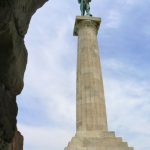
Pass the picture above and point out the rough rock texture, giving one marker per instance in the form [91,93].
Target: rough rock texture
[15,16]
[8,112]
[17,143]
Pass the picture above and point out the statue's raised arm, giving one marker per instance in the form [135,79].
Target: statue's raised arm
[85,7]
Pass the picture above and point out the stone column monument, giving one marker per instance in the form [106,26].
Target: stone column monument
[91,121]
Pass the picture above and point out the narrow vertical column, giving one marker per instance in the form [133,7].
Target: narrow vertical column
[92,132]
[91,110]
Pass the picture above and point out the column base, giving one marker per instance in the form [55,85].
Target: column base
[103,141]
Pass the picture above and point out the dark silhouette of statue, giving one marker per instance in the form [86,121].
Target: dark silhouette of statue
[85,7]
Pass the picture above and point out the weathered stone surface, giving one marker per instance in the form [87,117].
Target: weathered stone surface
[17,143]
[8,112]
[91,120]
[91,111]
[102,141]
[15,16]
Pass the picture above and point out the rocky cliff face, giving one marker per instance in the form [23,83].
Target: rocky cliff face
[15,16]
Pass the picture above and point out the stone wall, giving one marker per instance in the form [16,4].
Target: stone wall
[15,16]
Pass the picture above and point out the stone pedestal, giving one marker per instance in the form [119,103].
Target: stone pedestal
[91,121]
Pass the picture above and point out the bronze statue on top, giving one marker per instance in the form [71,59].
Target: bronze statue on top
[85,7]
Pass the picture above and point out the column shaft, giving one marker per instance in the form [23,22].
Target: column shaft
[91,111]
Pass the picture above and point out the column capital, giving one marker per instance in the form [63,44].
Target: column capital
[86,21]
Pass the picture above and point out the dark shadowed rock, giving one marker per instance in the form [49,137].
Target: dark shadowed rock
[17,143]
[8,112]
[15,16]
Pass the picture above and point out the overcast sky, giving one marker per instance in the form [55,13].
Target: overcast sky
[47,104]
